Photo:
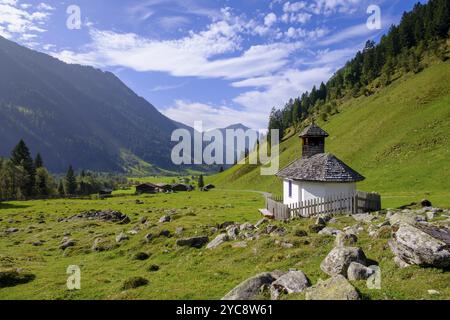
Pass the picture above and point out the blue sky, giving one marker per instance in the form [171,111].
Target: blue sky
[221,62]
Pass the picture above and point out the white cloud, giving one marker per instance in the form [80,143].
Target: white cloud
[270,19]
[20,19]
[173,22]
[353,32]
[193,55]
[294,7]
[214,117]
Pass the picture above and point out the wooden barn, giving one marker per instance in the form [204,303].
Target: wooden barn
[163,187]
[178,187]
[146,188]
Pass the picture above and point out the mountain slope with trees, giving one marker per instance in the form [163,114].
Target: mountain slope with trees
[76,115]
[386,111]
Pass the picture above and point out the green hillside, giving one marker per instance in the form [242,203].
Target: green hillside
[398,138]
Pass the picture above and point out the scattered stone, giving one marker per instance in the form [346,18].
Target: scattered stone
[12,230]
[433,292]
[148,237]
[139,201]
[327,231]
[101,245]
[340,258]
[121,237]
[261,222]
[14,277]
[165,233]
[165,219]
[194,242]
[143,220]
[316,228]
[286,245]
[356,229]
[405,217]
[38,243]
[67,244]
[291,282]
[251,288]
[320,221]
[400,263]
[141,256]
[247,227]
[300,233]
[226,224]
[134,231]
[357,271]
[423,245]
[111,216]
[153,268]
[335,288]
[429,215]
[221,238]
[425,203]
[345,240]
[134,283]
[364,217]
[233,232]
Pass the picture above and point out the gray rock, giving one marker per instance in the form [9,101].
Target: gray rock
[101,245]
[67,244]
[233,232]
[400,263]
[251,288]
[433,292]
[221,238]
[423,245]
[165,218]
[430,216]
[327,231]
[194,242]
[179,231]
[320,221]
[345,240]
[405,217]
[335,288]
[12,230]
[357,271]
[38,243]
[226,224]
[356,229]
[165,233]
[148,237]
[261,222]
[121,237]
[291,282]
[247,227]
[364,217]
[340,258]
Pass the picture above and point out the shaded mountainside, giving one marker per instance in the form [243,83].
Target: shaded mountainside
[77,115]
[398,138]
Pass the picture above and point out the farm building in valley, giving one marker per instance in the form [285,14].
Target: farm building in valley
[146,188]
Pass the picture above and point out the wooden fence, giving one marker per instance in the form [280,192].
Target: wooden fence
[357,202]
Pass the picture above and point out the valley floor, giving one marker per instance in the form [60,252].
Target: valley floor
[184,273]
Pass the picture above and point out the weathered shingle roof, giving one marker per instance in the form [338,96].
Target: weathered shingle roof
[313,131]
[323,167]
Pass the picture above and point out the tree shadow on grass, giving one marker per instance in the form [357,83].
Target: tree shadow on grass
[7,205]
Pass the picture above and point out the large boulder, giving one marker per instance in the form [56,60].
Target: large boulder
[408,217]
[357,271]
[423,245]
[340,258]
[221,238]
[194,242]
[291,282]
[251,288]
[364,217]
[335,288]
[344,239]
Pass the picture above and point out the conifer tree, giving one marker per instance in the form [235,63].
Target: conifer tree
[71,182]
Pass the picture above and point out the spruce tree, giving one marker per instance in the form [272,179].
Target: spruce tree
[20,157]
[38,162]
[71,182]
[61,191]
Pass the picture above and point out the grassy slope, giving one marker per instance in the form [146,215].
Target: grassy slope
[398,138]
[185,273]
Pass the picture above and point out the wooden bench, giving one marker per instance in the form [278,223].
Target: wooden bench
[266,213]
